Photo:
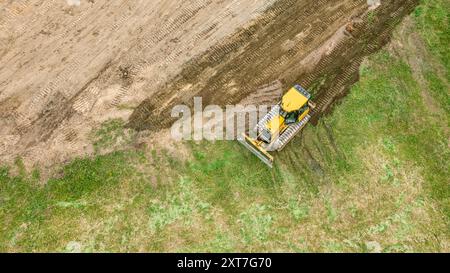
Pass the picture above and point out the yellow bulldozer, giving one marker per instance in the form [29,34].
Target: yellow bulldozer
[279,126]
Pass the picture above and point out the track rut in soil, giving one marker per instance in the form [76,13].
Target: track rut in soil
[319,44]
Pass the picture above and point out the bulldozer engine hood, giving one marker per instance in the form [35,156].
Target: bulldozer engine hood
[293,100]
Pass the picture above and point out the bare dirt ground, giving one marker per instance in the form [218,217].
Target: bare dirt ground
[66,69]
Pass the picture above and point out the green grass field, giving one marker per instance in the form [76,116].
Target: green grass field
[370,177]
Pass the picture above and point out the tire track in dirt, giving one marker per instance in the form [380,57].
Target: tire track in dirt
[261,53]
[292,41]
[63,67]
[236,62]
[338,86]
[46,95]
[361,43]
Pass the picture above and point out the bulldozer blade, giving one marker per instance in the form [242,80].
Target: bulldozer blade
[262,154]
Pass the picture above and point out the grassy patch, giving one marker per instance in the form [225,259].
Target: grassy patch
[432,18]
[111,134]
[370,177]
[33,216]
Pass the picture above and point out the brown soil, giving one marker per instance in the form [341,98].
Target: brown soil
[67,69]
[293,42]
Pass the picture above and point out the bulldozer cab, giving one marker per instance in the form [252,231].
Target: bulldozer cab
[294,117]
[294,103]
